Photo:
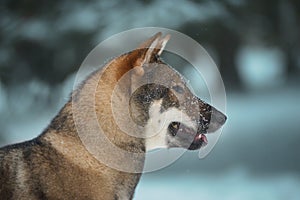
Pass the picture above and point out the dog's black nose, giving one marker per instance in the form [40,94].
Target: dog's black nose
[217,119]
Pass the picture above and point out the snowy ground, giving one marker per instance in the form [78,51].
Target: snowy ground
[231,185]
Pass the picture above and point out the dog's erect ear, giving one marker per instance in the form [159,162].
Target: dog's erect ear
[155,44]
[150,50]
[133,62]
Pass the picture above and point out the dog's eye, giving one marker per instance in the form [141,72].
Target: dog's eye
[174,127]
[178,89]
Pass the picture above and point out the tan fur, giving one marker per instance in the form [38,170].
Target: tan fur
[56,165]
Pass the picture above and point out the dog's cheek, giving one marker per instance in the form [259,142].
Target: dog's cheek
[177,142]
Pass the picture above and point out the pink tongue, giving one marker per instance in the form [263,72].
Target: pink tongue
[204,138]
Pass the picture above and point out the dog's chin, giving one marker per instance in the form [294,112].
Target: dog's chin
[187,137]
[199,141]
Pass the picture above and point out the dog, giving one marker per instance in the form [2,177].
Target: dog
[58,165]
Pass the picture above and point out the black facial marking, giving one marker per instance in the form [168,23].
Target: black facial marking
[148,93]
[145,95]
[169,100]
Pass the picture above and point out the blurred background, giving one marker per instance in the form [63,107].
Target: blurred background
[255,44]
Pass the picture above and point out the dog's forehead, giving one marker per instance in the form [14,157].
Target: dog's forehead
[158,72]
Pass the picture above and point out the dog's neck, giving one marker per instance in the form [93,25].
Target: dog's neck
[98,106]
[88,123]
[93,101]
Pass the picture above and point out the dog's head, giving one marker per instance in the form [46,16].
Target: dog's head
[136,102]
[165,106]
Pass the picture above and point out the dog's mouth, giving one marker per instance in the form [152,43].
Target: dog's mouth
[187,135]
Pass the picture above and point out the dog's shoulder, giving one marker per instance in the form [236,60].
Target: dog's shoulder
[14,167]
[23,147]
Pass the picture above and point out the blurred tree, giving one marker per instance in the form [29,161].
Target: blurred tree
[225,45]
[275,24]
[245,22]
[37,41]
[35,44]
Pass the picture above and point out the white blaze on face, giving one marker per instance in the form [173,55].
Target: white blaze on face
[157,125]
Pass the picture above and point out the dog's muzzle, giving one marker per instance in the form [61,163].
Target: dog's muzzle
[189,138]
[198,139]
